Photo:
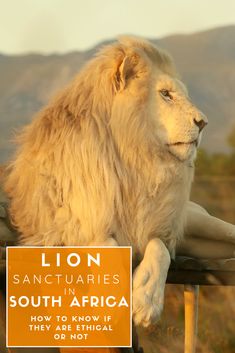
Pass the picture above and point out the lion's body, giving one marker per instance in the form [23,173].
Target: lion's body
[91,165]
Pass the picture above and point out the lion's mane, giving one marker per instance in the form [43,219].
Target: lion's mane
[89,165]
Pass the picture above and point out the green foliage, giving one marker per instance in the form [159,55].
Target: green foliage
[218,164]
[231,138]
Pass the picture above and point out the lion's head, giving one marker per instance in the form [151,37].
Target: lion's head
[158,103]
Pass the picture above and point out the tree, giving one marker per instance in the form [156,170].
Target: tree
[231,138]
[203,163]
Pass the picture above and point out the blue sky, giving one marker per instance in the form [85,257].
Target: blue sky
[63,25]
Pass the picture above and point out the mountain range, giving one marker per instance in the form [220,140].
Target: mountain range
[205,61]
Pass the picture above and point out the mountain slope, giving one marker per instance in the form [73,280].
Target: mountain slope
[205,60]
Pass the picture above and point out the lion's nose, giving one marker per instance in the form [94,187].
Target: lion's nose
[201,122]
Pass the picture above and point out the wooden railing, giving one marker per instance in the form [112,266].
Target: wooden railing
[193,273]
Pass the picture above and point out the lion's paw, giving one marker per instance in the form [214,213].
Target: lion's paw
[148,297]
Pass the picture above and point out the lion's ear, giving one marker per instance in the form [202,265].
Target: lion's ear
[124,72]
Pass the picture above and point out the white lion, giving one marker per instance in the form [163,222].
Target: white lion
[110,161]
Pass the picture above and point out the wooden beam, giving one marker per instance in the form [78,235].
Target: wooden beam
[191,315]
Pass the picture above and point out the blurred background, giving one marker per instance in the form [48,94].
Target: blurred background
[44,43]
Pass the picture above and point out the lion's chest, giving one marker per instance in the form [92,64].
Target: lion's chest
[159,212]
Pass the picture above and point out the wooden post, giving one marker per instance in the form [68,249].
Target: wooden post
[191,315]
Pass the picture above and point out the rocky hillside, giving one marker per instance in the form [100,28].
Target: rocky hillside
[206,61]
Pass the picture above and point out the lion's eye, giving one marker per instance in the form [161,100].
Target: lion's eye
[165,93]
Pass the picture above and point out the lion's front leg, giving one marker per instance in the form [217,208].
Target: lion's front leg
[206,236]
[203,225]
[149,282]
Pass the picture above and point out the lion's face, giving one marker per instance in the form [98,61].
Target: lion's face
[178,122]
[158,96]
